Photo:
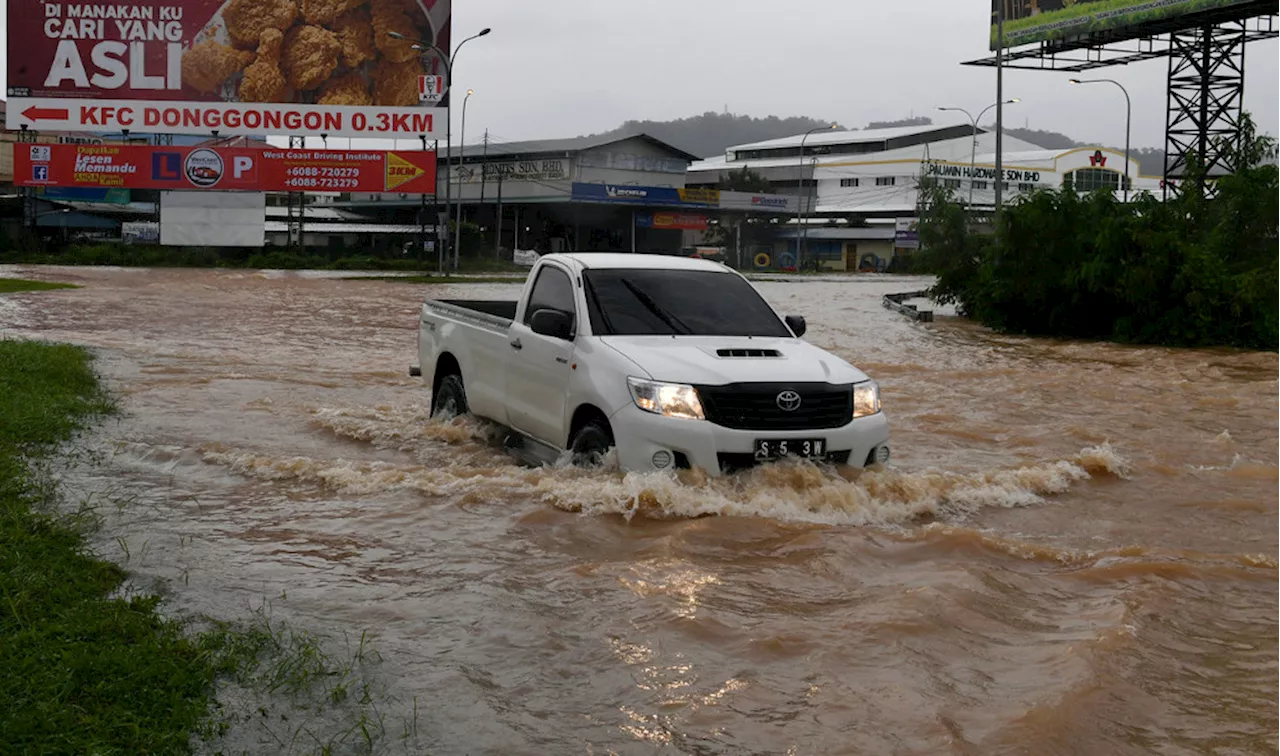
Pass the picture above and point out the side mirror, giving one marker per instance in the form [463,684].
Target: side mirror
[553,323]
[797,325]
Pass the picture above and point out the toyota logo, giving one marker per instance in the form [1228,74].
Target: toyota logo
[789,401]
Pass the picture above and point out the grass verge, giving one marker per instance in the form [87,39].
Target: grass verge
[84,672]
[90,667]
[12,285]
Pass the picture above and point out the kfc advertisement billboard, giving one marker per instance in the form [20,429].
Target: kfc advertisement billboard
[235,67]
[223,168]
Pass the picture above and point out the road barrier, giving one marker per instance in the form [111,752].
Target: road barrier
[895,302]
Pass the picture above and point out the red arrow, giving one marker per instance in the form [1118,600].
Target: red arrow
[45,114]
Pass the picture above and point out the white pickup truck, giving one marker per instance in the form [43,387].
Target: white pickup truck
[675,362]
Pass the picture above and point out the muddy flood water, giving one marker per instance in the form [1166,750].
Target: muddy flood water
[1073,550]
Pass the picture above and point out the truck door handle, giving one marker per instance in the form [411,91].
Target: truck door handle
[562,360]
[517,345]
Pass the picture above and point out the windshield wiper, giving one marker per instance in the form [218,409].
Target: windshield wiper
[674,323]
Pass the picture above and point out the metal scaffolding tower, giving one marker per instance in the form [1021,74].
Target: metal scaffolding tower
[1205,100]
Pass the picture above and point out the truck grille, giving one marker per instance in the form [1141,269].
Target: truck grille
[755,406]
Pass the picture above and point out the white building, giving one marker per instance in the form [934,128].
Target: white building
[869,178]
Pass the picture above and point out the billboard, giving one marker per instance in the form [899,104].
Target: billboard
[213,219]
[223,168]
[1027,21]
[234,67]
[906,233]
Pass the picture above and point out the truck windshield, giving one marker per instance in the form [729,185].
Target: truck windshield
[626,302]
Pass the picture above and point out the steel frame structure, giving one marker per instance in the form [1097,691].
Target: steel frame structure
[1205,100]
[1205,76]
[29,216]
[297,209]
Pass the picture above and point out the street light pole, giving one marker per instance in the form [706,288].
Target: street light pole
[447,60]
[462,159]
[1128,123]
[800,189]
[973,152]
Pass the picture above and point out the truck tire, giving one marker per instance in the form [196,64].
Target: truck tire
[592,441]
[450,398]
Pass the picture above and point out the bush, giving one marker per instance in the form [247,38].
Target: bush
[1191,271]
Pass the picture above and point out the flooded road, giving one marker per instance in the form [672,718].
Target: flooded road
[1072,552]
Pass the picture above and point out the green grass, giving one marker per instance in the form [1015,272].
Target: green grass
[82,672]
[11,285]
[1024,30]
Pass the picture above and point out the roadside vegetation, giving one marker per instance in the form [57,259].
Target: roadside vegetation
[1191,271]
[14,285]
[92,666]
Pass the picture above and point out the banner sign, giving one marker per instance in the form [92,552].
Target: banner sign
[1028,21]
[140,232]
[700,196]
[223,168]
[759,203]
[672,221]
[645,195]
[524,170]
[235,67]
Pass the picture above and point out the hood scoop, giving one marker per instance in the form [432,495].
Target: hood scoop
[748,353]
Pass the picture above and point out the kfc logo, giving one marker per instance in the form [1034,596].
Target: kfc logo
[430,88]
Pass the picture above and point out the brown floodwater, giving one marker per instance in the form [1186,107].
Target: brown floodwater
[1073,550]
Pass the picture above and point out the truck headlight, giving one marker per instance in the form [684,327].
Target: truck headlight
[667,399]
[866,399]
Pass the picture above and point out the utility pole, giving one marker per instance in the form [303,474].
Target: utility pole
[497,245]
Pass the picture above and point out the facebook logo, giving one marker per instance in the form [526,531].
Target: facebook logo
[39,173]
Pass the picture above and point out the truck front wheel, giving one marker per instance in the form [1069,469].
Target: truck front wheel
[592,441]
[450,399]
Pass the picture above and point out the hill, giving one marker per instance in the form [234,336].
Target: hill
[712,133]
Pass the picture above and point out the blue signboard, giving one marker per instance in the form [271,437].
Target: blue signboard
[626,194]
[113,195]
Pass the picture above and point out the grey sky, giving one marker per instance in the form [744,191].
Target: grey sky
[556,68]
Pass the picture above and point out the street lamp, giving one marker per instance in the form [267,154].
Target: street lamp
[800,193]
[973,152]
[423,46]
[462,157]
[1128,120]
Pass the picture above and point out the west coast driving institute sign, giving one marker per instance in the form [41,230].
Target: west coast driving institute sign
[234,67]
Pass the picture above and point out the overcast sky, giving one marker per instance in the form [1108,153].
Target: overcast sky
[557,68]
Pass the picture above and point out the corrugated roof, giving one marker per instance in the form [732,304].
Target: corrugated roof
[558,146]
[845,137]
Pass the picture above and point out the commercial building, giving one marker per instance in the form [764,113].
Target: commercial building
[603,193]
[862,182]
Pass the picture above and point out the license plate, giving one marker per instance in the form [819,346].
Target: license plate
[791,447]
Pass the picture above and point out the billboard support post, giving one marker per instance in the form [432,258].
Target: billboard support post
[1206,99]
[999,120]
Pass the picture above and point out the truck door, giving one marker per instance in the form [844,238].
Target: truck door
[538,366]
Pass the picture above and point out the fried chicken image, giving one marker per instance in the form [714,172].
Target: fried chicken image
[310,56]
[345,90]
[325,12]
[263,80]
[207,65]
[390,16]
[247,19]
[355,31]
[396,84]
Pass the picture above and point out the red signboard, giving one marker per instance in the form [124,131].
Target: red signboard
[223,168]
[673,221]
[238,67]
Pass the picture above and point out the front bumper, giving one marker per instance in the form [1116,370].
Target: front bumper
[643,436]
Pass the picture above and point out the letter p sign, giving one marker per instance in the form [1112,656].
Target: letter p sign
[242,167]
